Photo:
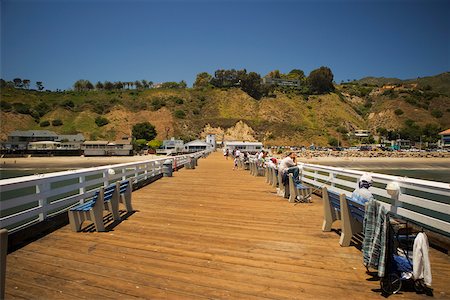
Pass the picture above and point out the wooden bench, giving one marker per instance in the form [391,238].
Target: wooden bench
[298,192]
[283,189]
[340,207]
[125,188]
[105,199]
[274,177]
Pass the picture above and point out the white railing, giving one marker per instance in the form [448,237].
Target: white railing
[425,202]
[31,199]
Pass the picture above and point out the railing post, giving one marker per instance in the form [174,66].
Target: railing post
[105,178]
[42,189]
[332,177]
[123,172]
[82,189]
[3,255]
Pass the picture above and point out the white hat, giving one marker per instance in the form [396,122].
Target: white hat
[366,177]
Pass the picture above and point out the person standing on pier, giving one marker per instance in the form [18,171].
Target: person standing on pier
[289,165]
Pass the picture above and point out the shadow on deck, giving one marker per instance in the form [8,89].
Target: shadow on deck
[206,233]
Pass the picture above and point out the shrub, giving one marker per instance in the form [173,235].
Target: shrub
[42,108]
[5,106]
[22,108]
[57,122]
[68,104]
[398,112]
[101,121]
[332,141]
[44,124]
[179,114]
[437,113]
[179,101]
[157,103]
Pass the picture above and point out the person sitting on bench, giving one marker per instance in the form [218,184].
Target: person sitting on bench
[362,194]
[288,165]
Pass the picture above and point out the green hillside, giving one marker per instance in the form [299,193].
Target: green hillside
[284,118]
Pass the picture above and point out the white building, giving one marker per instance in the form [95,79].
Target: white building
[211,139]
[362,133]
[243,146]
[196,146]
[171,146]
[105,148]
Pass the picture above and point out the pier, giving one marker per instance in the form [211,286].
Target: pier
[210,232]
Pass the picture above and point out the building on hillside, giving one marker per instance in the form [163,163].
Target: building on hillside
[401,144]
[211,139]
[171,146]
[243,146]
[107,148]
[361,133]
[196,146]
[20,140]
[445,139]
[281,82]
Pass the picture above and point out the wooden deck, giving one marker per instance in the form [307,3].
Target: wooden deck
[206,233]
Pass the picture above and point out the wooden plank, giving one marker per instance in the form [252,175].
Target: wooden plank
[206,233]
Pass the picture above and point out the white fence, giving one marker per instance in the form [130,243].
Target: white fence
[427,203]
[31,199]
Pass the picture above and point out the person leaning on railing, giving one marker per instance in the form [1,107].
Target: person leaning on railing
[362,194]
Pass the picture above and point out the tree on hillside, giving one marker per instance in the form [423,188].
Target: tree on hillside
[138,84]
[202,80]
[274,74]
[26,83]
[18,83]
[39,85]
[321,80]
[251,84]
[83,85]
[144,130]
[296,74]
[228,78]
[108,85]
[118,85]
[99,85]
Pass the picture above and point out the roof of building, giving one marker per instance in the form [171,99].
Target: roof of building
[197,143]
[445,132]
[44,143]
[33,133]
[95,143]
[72,137]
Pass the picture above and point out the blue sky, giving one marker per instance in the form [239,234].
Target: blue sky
[61,41]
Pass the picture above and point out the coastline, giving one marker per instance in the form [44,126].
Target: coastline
[69,162]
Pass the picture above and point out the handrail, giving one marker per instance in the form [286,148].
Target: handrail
[31,199]
[422,201]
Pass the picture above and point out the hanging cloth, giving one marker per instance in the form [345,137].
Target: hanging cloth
[421,260]
[374,243]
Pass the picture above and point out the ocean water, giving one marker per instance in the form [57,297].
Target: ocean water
[11,173]
[438,174]
[441,175]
